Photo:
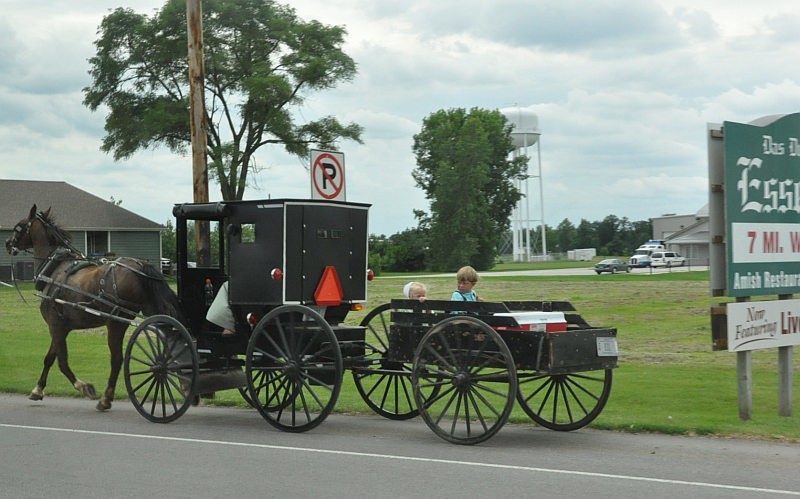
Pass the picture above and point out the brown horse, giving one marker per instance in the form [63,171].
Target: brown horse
[78,293]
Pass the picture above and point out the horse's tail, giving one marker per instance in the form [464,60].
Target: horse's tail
[162,299]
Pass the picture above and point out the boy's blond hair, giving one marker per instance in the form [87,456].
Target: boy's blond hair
[467,273]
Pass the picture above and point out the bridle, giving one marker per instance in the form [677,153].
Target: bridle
[24,228]
[19,230]
[11,245]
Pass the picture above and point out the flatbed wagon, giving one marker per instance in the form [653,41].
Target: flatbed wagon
[462,365]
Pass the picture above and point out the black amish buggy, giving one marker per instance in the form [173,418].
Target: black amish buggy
[293,270]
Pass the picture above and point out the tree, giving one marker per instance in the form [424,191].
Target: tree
[567,234]
[464,168]
[169,245]
[407,251]
[261,61]
[586,235]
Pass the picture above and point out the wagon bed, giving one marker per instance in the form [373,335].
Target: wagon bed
[461,365]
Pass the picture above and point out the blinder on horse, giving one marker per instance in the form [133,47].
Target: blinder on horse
[19,230]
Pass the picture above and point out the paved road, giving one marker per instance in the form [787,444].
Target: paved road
[62,447]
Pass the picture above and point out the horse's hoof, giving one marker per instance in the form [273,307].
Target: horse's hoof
[89,391]
[35,396]
[103,406]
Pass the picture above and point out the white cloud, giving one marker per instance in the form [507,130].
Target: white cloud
[623,91]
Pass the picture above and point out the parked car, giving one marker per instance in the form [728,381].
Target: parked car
[612,265]
[666,259]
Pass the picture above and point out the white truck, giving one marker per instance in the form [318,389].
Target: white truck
[641,257]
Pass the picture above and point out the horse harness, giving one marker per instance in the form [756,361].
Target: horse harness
[107,295]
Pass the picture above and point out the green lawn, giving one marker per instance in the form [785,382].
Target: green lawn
[668,380]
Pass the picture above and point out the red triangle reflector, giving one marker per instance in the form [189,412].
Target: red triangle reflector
[329,290]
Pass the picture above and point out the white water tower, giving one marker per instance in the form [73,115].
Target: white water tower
[526,133]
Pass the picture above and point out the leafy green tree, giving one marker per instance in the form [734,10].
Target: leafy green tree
[261,61]
[464,168]
[585,234]
[169,247]
[378,248]
[408,251]
[567,235]
[606,232]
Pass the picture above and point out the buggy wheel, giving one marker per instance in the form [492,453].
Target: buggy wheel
[261,379]
[464,380]
[245,393]
[384,385]
[564,402]
[293,368]
[161,368]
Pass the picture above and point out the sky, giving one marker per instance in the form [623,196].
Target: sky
[623,92]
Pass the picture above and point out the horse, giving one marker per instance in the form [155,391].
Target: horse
[78,293]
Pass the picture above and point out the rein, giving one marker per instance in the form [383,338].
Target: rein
[16,285]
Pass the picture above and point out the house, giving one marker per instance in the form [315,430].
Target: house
[98,227]
[685,234]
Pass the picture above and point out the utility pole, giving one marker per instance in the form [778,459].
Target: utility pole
[194,24]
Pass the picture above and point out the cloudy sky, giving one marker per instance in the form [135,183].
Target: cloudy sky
[623,92]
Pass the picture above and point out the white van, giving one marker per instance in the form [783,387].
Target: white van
[666,259]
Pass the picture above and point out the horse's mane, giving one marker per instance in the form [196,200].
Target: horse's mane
[52,229]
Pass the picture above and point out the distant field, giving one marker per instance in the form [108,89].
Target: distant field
[669,379]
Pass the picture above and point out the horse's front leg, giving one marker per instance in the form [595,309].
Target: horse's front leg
[38,392]
[86,389]
[116,333]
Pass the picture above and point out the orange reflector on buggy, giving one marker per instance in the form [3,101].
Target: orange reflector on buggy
[329,290]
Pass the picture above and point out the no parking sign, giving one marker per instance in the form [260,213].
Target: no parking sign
[327,175]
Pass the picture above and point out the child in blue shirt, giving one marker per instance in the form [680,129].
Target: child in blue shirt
[466,277]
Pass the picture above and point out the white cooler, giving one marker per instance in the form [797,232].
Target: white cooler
[550,322]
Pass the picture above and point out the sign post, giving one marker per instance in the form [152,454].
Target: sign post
[327,175]
[754,210]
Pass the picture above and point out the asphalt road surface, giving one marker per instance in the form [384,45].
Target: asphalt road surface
[62,447]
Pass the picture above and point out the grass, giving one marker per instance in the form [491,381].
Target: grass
[669,379]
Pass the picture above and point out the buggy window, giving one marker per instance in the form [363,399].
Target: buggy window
[248,235]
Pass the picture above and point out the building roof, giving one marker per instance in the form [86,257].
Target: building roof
[73,208]
[696,233]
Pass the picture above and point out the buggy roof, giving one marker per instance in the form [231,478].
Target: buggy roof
[221,209]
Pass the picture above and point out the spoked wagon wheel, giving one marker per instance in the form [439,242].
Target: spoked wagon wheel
[383,384]
[293,368]
[564,402]
[464,380]
[245,393]
[161,368]
[260,379]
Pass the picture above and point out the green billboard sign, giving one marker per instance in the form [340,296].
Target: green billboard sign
[762,206]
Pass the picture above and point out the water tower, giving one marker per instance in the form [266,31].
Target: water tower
[525,134]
